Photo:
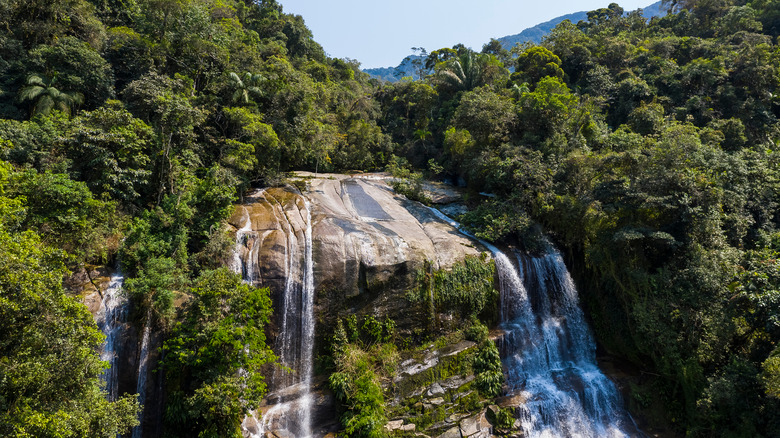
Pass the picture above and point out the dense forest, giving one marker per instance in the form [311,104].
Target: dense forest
[647,150]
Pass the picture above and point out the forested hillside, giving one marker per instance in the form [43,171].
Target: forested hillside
[128,131]
[649,152]
[646,150]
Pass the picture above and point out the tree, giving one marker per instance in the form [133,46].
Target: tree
[50,367]
[463,73]
[78,67]
[40,21]
[245,87]
[419,62]
[110,151]
[538,62]
[215,356]
[45,97]
[487,115]
[67,215]
[544,111]
[603,15]
[495,48]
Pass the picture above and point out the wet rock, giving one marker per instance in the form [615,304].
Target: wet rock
[435,390]
[453,432]
[281,433]
[476,426]
[249,426]
[511,401]
[394,425]
[458,348]
[454,418]
[438,401]
[456,382]
[492,413]
[411,367]
[369,243]
[463,394]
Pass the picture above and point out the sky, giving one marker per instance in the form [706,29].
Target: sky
[382,33]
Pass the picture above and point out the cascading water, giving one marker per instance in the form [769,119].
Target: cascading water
[550,356]
[549,353]
[143,364]
[246,238]
[110,319]
[295,342]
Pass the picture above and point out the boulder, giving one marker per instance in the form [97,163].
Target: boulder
[369,243]
[438,401]
[453,432]
[435,390]
[476,426]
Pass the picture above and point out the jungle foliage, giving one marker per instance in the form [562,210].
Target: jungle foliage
[127,131]
[646,149]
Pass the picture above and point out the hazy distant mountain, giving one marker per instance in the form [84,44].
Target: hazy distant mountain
[532,34]
[393,74]
[536,33]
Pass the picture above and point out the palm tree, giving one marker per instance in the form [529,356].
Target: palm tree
[245,87]
[464,72]
[40,89]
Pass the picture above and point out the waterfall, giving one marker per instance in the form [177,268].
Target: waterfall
[143,363]
[246,238]
[110,318]
[295,343]
[549,354]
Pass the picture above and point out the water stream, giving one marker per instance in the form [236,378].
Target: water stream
[110,320]
[549,354]
[143,364]
[294,345]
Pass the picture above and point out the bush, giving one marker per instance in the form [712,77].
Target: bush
[487,367]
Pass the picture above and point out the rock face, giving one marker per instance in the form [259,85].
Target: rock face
[363,232]
[368,241]
[276,226]
[367,246]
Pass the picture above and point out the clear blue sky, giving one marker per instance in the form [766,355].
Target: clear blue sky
[381,33]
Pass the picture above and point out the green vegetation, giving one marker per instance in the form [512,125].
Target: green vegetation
[127,131]
[214,357]
[363,356]
[467,289]
[49,371]
[487,361]
[646,150]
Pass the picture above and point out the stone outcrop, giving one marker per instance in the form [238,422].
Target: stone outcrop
[368,243]
[367,237]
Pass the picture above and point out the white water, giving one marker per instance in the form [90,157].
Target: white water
[110,318]
[549,354]
[295,342]
[246,238]
[143,363]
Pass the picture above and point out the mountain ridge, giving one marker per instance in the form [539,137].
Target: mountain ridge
[532,34]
